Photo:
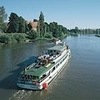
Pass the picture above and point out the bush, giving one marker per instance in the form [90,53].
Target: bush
[4,39]
[20,37]
[12,37]
[48,35]
[32,34]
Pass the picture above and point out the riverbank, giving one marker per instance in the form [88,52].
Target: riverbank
[97,35]
[11,38]
[7,38]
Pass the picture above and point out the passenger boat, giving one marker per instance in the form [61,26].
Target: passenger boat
[38,75]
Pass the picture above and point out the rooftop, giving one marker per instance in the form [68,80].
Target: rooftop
[38,71]
[57,48]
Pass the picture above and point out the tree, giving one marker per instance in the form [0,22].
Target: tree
[54,29]
[41,25]
[32,34]
[13,25]
[26,27]
[3,17]
[47,29]
[21,25]
[65,30]
[30,26]
[76,30]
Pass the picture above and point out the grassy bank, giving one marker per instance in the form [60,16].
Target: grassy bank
[12,38]
[6,38]
[43,38]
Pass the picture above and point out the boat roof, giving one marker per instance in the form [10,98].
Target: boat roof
[57,48]
[38,71]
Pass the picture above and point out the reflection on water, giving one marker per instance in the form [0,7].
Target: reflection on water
[78,81]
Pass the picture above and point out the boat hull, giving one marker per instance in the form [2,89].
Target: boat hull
[29,87]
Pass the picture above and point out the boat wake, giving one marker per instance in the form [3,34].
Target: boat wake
[20,95]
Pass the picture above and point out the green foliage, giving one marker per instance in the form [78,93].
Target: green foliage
[3,17]
[57,30]
[32,34]
[4,38]
[47,27]
[21,25]
[20,37]
[4,27]
[17,24]
[13,25]
[77,31]
[29,26]
[44,30]
[54,29]
[12,38]
[48,35]
[26,27]
[41,27]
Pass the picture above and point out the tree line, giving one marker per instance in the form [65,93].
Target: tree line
[76,30]
[17,24]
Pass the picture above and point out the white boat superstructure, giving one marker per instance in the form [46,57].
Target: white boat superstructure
[38,75]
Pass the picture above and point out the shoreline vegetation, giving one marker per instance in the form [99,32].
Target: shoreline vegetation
[9,38]
[19,30]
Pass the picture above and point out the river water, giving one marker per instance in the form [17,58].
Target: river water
[80,80]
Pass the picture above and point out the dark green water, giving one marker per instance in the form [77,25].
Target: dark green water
[80,80]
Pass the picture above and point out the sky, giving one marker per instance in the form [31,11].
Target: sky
[69,13]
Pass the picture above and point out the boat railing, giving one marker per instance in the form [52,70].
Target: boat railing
[30,66]
[47,58]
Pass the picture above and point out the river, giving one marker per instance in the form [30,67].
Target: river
[80,80]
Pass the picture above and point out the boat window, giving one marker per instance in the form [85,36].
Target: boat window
[60,62]
[53,62]
[34,77]
[57,52]
[54,50]
[53,69]
[43,76]
[29,76]
[26,77]
[48,73]
[67,47]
